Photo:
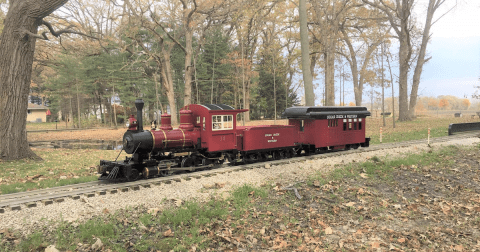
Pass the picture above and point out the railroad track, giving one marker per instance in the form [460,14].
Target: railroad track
[16,201]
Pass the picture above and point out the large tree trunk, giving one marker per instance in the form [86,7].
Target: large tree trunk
[188,67]
[404,55]
[307,75]
[330,74]
[16,59]
[168,83]
[432,6]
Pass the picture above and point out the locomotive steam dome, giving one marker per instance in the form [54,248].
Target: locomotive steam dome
[186,120]
[166,122]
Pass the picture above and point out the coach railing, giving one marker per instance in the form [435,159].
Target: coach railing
[462,127]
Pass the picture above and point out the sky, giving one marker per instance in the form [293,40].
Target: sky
[455,50]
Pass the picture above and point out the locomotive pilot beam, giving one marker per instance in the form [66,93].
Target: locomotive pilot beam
[208,135]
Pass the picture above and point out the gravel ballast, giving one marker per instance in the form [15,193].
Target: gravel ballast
[161,196]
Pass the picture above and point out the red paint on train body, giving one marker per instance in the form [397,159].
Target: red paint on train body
[266,137]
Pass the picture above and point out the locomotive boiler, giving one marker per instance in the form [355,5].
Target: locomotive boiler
[208,135]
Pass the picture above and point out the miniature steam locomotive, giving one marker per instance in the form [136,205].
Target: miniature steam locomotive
[208,135]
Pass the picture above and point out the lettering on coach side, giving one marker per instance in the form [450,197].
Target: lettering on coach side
[268,135]
[341,116]
[272,140]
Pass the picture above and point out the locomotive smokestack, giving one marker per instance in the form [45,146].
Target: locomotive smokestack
[139,106]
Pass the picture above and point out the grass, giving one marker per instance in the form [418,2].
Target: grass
[185,223]
[381,168]
[410,130]
[59,167]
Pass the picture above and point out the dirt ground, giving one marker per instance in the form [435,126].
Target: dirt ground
[411,208]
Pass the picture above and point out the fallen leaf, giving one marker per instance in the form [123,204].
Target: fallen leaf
[350,204]
[363,175]
[168,233]
[375,245]
[401,240]
[153,211]
[328,230]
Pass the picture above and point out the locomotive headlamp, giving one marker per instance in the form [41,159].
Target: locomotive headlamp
[128,124]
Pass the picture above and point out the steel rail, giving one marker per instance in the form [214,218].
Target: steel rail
[93,188]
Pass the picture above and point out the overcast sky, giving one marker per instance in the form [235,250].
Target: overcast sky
[455,49]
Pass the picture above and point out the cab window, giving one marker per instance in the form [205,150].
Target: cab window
[222,122]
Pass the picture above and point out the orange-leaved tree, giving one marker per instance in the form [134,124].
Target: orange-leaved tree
[443,103]
[466,103]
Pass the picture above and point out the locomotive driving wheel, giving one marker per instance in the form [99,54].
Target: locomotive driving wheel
[188,162]
[133,175]
[164,173]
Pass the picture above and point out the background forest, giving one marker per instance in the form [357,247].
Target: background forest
[243,53]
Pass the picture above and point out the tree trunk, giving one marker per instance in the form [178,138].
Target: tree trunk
[307,75]
[16,58]
[432,6]
[404,56]
[168,83]
[188,66]
[330,74]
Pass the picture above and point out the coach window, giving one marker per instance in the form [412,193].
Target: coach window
[354,124]
[360,123]
[220,122]
[302,125]
[349,124]
[203,123]
[344,124]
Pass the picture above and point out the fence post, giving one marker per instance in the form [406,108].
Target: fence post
[428,136]
[380,134]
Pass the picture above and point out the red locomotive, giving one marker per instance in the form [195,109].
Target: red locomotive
[208,135]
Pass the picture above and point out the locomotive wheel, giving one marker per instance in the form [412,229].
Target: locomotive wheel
[164,173]
[281,154]
[134,175]
[188,162]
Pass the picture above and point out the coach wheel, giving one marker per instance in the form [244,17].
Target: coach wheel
[355,146]
[298,152]
[288,154]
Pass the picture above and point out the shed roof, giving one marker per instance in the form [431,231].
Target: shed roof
[36,107]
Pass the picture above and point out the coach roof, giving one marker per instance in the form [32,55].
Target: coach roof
[323,112]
